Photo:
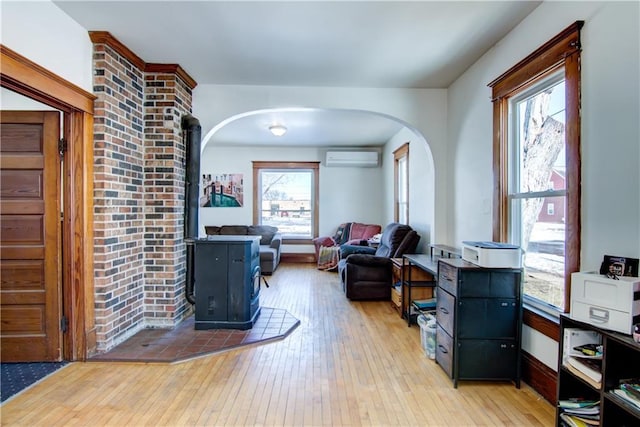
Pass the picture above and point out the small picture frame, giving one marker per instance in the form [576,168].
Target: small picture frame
[616,266]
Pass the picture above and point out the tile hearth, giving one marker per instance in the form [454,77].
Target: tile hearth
[185,343]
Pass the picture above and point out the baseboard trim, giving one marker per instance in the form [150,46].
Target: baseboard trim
[540,377]
[298,258]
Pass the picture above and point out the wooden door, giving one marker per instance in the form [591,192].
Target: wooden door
[30,276]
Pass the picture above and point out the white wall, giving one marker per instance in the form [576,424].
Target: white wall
[346,193]
[42,33]
[10,100]
[610,132]
[421,184]
[422,111]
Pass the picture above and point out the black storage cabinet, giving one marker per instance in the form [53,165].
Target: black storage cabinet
[227,282]
[479,321]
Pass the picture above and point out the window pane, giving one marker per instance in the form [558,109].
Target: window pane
[541,137]
[538,223]
[403,190]
[543,240]
[286,203]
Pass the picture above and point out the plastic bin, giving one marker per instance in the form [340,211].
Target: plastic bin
[427,324]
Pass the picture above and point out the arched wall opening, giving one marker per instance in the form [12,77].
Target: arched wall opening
[230,146]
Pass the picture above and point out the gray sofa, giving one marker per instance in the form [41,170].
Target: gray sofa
[270,241]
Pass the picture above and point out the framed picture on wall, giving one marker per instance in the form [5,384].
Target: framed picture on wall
[222,190]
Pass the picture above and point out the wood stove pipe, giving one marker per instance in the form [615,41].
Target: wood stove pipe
[192,132]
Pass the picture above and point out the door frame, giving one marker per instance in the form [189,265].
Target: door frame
[27,78]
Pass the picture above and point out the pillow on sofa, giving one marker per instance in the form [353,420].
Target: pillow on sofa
[342,233]
[237,230]
[266,231]
[363,231]
[211,230]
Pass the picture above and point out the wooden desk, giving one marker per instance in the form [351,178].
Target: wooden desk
[419,280]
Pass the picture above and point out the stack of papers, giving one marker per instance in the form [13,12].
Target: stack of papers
[580,412]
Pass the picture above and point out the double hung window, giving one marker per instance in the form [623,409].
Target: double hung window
[536,123]
[401,188]
[285,196]
[537,184]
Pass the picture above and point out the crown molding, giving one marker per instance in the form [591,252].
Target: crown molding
[104,37]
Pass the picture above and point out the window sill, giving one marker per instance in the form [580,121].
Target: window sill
[302,241]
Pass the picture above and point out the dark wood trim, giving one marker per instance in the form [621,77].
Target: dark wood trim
[24,76]
[401,151]
[500,178]
[542,324]
[573,173]
[286,165]
[33,81]
[540,377]
[545,57]
[256,176]
[172,69]
[104,37]
[299,258]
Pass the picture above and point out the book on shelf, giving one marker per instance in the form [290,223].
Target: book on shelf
[632,387]
[591,367]
[577,402]
[425,304]
[591,411]
[624,396]
[581,420]
[578,373]
[629,391]
[573,421]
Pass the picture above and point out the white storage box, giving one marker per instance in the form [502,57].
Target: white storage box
[492,254]
[606,303]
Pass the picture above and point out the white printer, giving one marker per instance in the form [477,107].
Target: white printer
[492,254]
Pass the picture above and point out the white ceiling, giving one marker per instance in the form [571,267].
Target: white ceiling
[381,44]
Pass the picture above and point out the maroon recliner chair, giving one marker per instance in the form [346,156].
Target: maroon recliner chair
[368,276]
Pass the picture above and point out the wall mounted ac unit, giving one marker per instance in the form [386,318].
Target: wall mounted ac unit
[365,159]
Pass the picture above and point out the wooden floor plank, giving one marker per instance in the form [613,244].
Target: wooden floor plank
[347,364]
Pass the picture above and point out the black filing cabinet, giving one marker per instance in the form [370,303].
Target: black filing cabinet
[227,282]
[479,321]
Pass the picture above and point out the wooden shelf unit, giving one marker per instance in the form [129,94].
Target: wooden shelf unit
[409,275]
[620,360]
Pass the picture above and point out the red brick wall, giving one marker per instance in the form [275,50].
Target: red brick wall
[139,177]
[118,196]
[167,98]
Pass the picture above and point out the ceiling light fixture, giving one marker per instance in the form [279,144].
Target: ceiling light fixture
[278,130]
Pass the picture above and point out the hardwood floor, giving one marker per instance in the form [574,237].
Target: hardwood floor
[348,363]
